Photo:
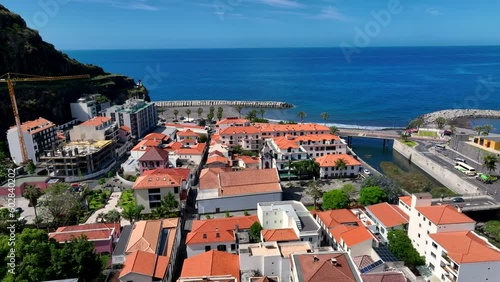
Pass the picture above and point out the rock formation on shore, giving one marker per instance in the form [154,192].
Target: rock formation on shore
[450,115]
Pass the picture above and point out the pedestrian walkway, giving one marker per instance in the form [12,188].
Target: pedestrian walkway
[111,205]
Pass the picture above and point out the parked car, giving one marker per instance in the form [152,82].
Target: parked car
[19,210]
[366,171]
[458,200]
[459,160]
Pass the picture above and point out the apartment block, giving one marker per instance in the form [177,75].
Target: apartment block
[137,114]
[89,107]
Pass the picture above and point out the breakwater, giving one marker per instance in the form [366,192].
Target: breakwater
[453,114]
[246,104]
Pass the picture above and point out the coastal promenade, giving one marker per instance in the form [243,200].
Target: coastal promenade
[246,104]
[380,134]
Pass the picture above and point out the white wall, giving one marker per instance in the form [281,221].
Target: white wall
[196,249]
[194,158]
[276,219]
[332,171]
[82,112]
[484,271]
[239,203]
[362,248]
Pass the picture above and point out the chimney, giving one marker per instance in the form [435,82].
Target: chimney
[334,261]
[315,259]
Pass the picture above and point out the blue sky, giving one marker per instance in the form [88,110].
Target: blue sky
[146,24]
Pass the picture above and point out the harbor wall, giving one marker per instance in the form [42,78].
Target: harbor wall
[442,174]
[458,113]
[247,104]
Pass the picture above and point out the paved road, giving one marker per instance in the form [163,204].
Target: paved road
[470,201]
[111,205]
[446,157]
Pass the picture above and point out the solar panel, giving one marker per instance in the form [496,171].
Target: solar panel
[385,254]
[371,266]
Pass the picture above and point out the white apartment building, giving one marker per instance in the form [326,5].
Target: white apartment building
[86,108]
[291,217]
[270,130]
[138,115]
[231,121]
[278,152]
[329,168]
[39,135]
[248,137]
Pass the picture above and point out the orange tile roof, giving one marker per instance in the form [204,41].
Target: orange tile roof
[333,218]
[217,159]
[309,127]
[356,235]
[466,247]
[146,144]
[99,225]
[216,153]
[317,137]
[194,150]
[444,214]
[188,133]
[384,277]
[41,123]
[184,125]
[232,120]
[389,215]
[223,226]
[184,172]
[212,263]
[154,154]
[157,180]
[144,236]
[279,235]
[155,137]
[171,147]
[329,160]
[210,177]
[140,263]
[125,128]
[249,160]
[188,141]
[239,130]
[285,142]
[95,121]
[322,270]
[161,266]
[91,235]
[406,200]
[60,135]
[249,182]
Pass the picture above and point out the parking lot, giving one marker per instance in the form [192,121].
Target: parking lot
[28,212]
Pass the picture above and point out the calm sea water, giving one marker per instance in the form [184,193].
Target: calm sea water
[381,87]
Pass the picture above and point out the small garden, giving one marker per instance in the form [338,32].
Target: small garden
[408,143]
[126,200]
[97,199]
[427,133]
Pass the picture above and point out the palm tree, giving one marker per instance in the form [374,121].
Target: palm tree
[220,110]
[132,213]
[100,217]
[112,216]
[404,136]
[487,129]
[302,115]
[314,192]
[490,162]
[239,109]
[188,112]
[262,112]
[478,129]
[453,128]
[176,112]
[200,111]
[341,164]
[440,121]
[325,116]
[32,194]
[334,130]
[311,167]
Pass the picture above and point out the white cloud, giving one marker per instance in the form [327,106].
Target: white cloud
[125,4]
[331,13]
[433,11]
[280,3]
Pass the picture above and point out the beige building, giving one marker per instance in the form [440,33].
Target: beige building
[97,128]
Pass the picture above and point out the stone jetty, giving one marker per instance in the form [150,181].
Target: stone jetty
[465,113]
[246,104]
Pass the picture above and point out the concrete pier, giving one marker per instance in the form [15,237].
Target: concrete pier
[246,104]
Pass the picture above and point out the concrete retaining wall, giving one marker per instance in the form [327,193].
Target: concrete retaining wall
[248,104]
[444,175]
[459,144]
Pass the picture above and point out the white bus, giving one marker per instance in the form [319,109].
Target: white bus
[465,168]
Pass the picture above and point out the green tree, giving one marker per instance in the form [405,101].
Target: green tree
[302,115]
[228,214]
[220,110]
[5,221]
[111,173]
[341,165]
[490,162]
[416,123]
[404,136]
[200,112]
[32,194]
[478,129]
[349,190]
[176,113]
[211,113]
[372,195]
[487,129]
[102,180]
[334,130]
[167,205]
[202,138]
[255,230]
[132,213]
[237,149]
[113,216]
[335,199]
[453,128]
[188,112]
[314,192]
[400,245]
[262,112]
[251,115]
[440,121]
[100,217]
[392,189]
[325,116]
[59,204]
[239,109]
[31,167]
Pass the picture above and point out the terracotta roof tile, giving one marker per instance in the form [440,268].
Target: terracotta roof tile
[406,200]
[279,235]
[356,235]
[333,218]
[322,269]
[240,182]
[183,125]
[466,247]
[35,126]
[444,214]
[146,144]
[217,159]
[173,146]
[239,130]
[154,154]
[384,277]
[249,160]
[125,128]
[144,236]
[91,235]
[223,226]
[211,263]
[95,121]
[389,215]
[362,261]
[188,133]
[306,127]
[139,262]
[317,137]
[285,142]
[161,267]
[184,172]
[329,160]
[194,150]
[156,137]
[232,120]
[151,181]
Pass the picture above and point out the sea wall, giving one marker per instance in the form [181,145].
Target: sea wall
[442,174]
[247,104]
[453,114]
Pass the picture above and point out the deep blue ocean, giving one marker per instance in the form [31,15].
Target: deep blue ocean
[380,87]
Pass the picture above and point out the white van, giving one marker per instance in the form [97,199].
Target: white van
[459,160]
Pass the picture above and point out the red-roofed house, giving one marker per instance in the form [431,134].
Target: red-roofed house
[216,234]
[329,166]
[404,204]
[225,267]
[387,217]
[217,161]
[231,121]
[153,158]
[187,134]
[248,137]
[103,235]
[270,130]
[249,162]
[322,267]
[149,189]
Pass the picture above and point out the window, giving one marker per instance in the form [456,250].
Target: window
[176,190]
[154,191]
[418,214]
[221,248]
[434,245]
[310,239]
[431,266]
[418,235]
[433,255]
[233,247]
[207,248]
[430,223]
[424,218]
[419,225]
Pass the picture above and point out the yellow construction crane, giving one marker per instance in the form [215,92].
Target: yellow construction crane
[28,78]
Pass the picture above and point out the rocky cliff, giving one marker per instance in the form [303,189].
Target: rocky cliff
[23,51]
